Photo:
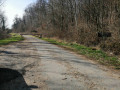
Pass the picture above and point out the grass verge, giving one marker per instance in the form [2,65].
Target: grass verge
[97,55]
[14,38]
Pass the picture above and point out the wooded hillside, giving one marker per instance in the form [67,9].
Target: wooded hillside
[88,22]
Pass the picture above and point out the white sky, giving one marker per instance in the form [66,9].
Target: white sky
[15,7]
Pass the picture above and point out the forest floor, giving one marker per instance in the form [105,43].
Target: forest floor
[35,64]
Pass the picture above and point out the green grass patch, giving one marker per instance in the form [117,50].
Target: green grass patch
[14,38]
[98,55]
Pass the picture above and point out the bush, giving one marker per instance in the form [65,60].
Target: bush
[112,46]
[3,35]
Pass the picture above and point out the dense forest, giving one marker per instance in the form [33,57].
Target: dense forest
[87,22]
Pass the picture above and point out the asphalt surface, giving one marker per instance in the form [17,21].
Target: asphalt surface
[34,64]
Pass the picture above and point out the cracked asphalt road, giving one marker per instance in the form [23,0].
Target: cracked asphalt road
[44,66]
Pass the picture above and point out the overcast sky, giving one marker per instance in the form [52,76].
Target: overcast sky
[15,7]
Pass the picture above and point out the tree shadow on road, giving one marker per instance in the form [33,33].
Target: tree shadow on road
[13,80]
[7,52]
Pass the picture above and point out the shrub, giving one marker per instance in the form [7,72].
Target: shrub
[111,45]
[3,35]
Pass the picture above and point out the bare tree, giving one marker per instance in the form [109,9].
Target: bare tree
[74,20]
